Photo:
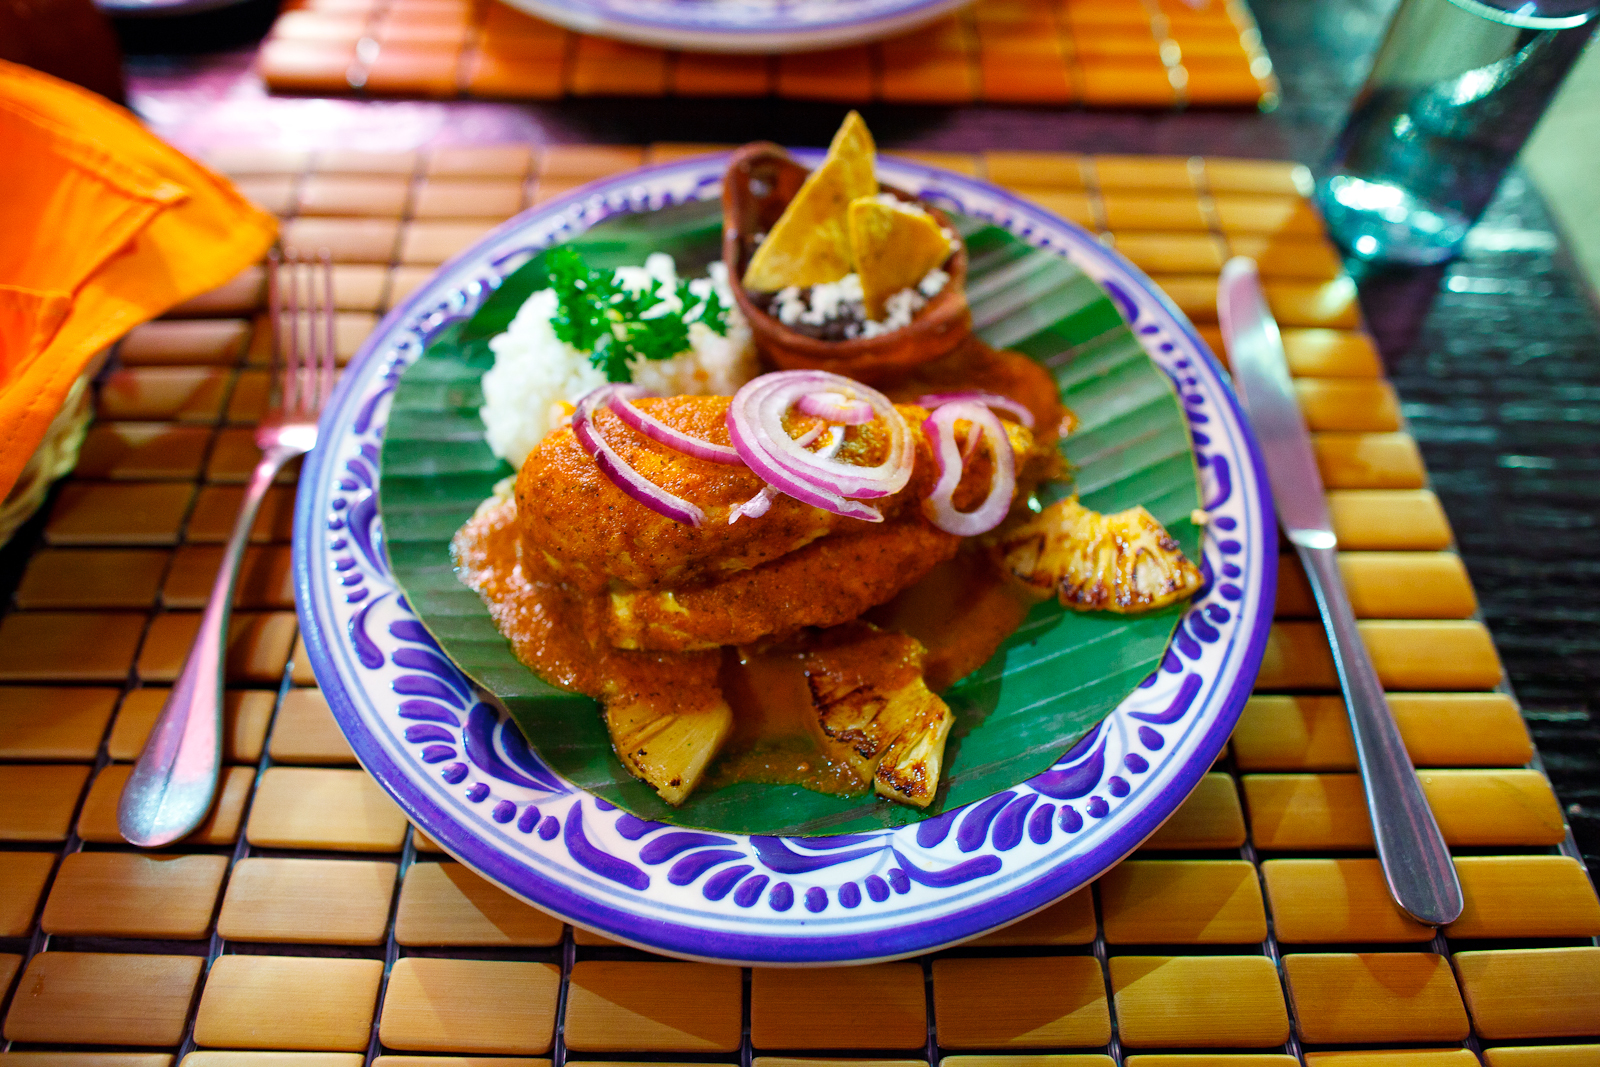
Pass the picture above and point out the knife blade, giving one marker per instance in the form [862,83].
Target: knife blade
[1261,378]
[1416,863]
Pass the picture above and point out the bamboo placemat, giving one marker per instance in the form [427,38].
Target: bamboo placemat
[1103,53]
[1253,930]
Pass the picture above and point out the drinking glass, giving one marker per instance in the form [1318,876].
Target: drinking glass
[1454,92]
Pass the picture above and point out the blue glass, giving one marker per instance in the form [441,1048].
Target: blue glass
[1455,90]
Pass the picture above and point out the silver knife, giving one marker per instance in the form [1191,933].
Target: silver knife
[1415,861]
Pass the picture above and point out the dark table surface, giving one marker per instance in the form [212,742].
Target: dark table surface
[1496,356]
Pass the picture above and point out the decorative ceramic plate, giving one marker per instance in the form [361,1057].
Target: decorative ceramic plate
[742,26]
[161,8]
[462,771]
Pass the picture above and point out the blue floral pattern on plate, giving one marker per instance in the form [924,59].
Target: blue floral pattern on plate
[463,772]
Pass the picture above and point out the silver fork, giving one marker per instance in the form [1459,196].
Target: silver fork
[175,780]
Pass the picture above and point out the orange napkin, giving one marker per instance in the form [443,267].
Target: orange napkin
[102,226]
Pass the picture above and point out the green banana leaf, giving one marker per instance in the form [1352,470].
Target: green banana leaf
[1056,677]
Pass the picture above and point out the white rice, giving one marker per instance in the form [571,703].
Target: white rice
[534,372]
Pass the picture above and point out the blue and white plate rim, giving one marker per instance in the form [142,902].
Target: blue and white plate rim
[742,26]
[458,768]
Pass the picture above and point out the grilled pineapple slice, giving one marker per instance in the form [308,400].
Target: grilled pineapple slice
[873,712]
[669,748]
[1126,563]
[910,768]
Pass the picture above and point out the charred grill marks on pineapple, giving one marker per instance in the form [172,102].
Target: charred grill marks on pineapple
[909,771]
[1125,562]
[874,713]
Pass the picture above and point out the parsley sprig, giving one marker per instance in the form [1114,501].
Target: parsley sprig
[616,325]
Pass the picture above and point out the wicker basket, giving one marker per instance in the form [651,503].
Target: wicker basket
[55,456]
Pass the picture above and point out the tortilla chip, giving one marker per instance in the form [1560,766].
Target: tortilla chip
[810,243]
[895,246]
[852,145]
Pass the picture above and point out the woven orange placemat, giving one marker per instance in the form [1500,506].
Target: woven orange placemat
[306,916]
[1102,53]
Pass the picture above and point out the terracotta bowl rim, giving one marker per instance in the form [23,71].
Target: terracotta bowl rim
[937,315]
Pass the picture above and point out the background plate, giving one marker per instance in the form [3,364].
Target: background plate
[742,26]
[462,773]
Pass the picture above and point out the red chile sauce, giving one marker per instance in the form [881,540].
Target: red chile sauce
[961,612]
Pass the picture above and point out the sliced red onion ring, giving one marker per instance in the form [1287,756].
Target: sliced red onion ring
[993,400]
[810,435]
[836,407]
[755,422]
[677,440]
[757,505]
[623,476]
[940,504]
[835,442]
[974,436]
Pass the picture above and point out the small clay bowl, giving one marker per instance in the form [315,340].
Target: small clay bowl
[760,182]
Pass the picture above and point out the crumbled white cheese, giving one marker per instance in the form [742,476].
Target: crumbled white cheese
[833,300]
[828,300]
[787,305]
[910,207]
[898,311]
[903,306]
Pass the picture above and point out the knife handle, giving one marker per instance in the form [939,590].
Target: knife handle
[1411,850]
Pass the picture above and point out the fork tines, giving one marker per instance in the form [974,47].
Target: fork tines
[300,299]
